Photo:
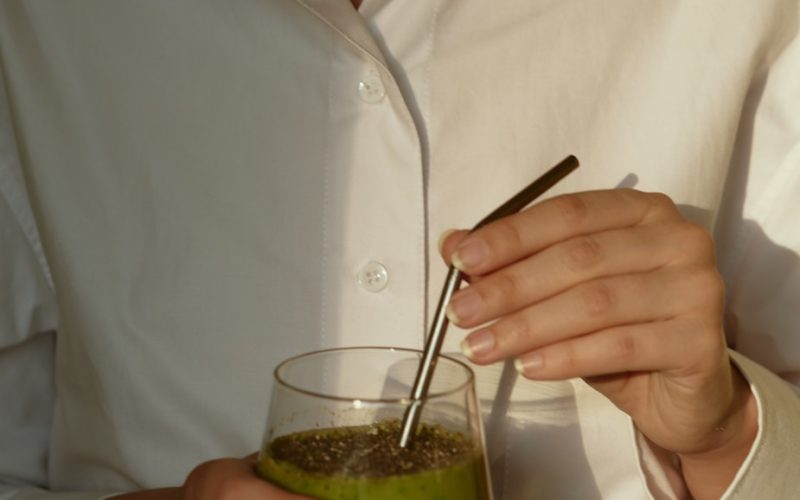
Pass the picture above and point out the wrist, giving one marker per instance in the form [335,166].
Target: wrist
[709,473]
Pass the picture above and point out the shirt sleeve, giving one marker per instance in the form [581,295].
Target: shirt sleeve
[772,468]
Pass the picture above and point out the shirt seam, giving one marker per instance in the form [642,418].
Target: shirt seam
[12,188]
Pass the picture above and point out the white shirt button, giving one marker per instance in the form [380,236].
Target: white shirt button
[370,88]
[373,277]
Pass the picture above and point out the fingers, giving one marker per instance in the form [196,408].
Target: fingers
[558,219]
[590,284]
[594,306]
[231,478]
[611,286]
[655,346]
[558,268]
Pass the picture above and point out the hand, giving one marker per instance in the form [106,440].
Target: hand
[222,479]
[615,287]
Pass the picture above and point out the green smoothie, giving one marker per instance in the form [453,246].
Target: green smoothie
[365,462]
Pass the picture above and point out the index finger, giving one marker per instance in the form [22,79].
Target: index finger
[510,239]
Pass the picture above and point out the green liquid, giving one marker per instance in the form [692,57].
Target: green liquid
[460,478]
[463,481]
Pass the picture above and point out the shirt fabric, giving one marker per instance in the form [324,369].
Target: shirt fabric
[190,190]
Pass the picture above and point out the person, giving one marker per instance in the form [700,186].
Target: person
[193,191]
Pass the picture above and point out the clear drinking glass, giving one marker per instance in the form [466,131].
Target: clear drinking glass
[334,425]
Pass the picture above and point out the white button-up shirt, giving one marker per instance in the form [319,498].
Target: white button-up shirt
[191,191]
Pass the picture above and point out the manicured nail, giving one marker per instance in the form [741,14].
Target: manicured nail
[529,363]
[465,305]
[479,343]
[443,237]
[470,255]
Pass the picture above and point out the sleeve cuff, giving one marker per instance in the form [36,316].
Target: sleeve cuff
[770,470]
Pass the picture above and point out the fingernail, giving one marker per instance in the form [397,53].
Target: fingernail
[464,305]
[470,255]
[479,343]
[443,237]
[529,363]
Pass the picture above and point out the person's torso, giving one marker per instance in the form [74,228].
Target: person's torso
[217,183]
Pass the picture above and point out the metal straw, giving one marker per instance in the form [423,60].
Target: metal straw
[433,345]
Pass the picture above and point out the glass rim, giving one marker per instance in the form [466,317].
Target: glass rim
[404,400]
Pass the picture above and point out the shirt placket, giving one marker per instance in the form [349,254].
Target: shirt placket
[374,255]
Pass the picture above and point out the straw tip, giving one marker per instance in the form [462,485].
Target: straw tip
[572,159]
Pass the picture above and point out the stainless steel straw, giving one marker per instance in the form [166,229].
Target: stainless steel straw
[433,345]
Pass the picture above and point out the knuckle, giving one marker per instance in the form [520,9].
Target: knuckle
[218,479]
[630,197]
[660,200]
[569,358]
[626,349]
[232,488]
[659,204]
[199,479]
[571,208]
[711,280]
[698,242]
[583,253]
[507,288]
[508,235]
[599,298]
[708,284]
[197,475]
